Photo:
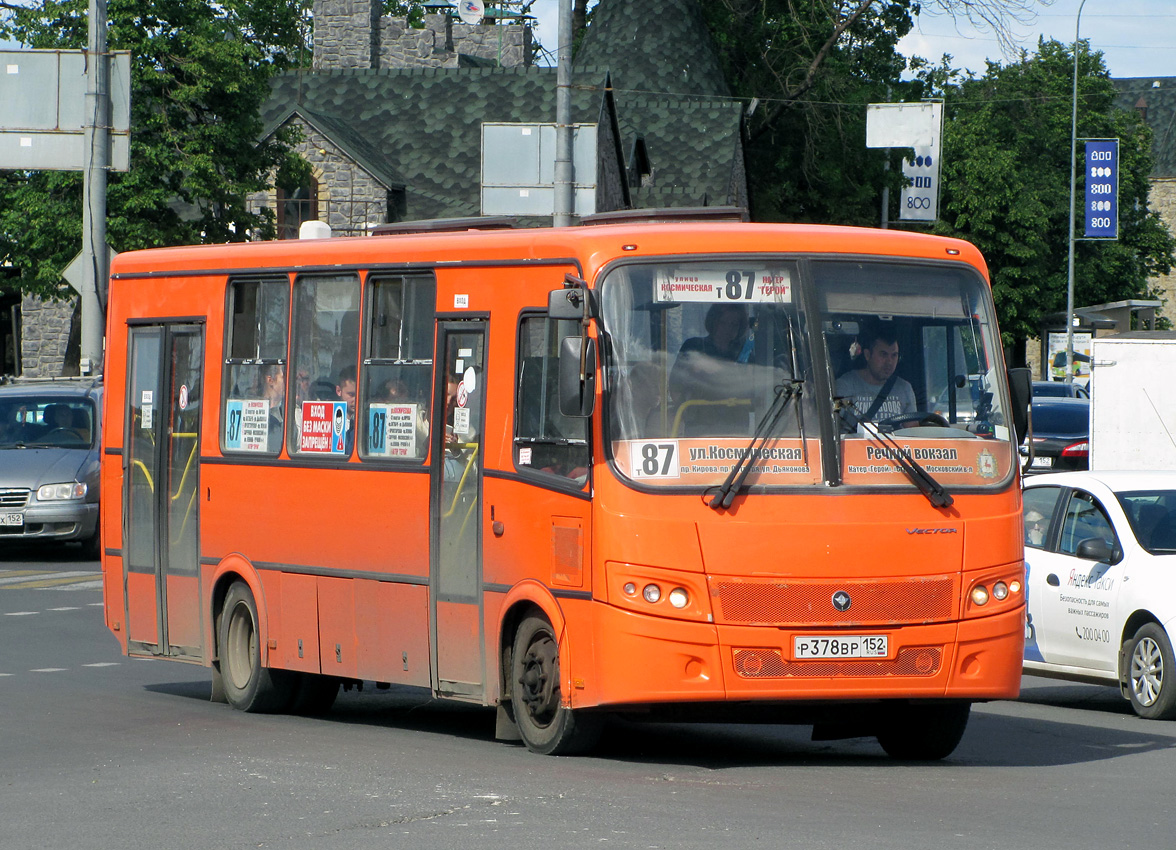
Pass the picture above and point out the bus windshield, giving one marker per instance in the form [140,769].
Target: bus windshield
[703,356]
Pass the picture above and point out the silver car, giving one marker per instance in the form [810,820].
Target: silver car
[49,450]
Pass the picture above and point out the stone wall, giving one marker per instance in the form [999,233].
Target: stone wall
[349,199]
[50,341]
[352,34]
[1162,199]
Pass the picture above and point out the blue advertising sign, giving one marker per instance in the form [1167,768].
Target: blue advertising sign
[1102,189]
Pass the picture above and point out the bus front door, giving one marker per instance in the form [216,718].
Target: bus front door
[161,558]
[455,584]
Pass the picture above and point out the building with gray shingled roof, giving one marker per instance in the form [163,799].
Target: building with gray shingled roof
[392,118]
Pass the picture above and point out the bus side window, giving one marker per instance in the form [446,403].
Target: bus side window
[397,368]
[545,440]
[325,349]
[255,365]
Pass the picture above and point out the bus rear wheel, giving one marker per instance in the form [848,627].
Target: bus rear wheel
[248,686]
[924,732]
[545,724]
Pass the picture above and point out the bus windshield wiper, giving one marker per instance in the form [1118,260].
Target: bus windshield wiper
[934,491]
[786,392]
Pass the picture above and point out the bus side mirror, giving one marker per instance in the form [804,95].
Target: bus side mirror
[577,376]
[573,302]
[1021,391]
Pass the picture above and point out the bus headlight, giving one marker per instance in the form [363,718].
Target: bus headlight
[652,593]
[980,594]
[679,598]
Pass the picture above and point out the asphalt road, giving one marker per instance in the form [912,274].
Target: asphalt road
[100,751]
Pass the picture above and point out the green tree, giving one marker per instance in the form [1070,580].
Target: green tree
[810,67]
[200,72]
[1005,184]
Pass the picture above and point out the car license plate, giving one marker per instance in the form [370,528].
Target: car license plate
[11,519]
[841,646]
[1042,462]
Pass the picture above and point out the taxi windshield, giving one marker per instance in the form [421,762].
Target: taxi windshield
[882,357]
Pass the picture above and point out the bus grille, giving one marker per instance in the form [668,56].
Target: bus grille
[771,664]
[793,602]
[13,497]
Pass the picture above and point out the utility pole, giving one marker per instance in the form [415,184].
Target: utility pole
[96,164]
[564,169]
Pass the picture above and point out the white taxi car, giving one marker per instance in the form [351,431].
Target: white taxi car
[1100,562]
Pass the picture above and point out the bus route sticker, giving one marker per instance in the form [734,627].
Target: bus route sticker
[247,424]
[392,430]
[324,427]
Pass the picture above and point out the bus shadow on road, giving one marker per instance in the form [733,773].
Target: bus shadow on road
[994,736]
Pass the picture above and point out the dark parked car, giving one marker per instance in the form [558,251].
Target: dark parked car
[1058,389]
[1061,433]
[49,461]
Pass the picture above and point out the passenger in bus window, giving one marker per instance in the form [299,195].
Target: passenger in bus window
[273,390]
[710,382]
[876,390]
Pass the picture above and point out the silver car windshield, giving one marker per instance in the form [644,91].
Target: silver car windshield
[35,421]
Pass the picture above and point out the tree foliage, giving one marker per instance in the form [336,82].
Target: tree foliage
[810,67]
[1005,183]
[199,74]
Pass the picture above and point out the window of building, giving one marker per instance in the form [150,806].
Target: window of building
[398,368]
[546,441]
[255,365]
[296,203]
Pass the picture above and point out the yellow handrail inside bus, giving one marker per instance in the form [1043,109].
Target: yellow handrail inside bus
[146,473]
[687,405]
[473,449]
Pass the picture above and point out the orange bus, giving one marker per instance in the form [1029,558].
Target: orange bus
[689,470]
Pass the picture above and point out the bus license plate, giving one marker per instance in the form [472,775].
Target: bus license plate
[842,646]
[11,519]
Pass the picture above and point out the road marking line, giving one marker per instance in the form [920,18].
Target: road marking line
[102,664]
[49,670]
[62,578]
[67,608]
[20,613]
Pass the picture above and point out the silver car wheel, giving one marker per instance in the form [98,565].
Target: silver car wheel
[1147,671]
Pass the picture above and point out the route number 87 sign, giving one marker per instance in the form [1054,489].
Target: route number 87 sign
[654,459]
[714,284]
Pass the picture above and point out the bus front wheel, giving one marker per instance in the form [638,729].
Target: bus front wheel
[924,732]
[248,686]
[546,725]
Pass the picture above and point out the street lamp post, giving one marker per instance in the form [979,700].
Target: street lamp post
[1073,177]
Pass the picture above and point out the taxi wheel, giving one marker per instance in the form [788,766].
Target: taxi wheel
[546,725]
[248,686]
[924,732]
[1149,667]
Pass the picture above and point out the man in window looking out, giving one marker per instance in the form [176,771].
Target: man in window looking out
[273,390]
[876,390]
